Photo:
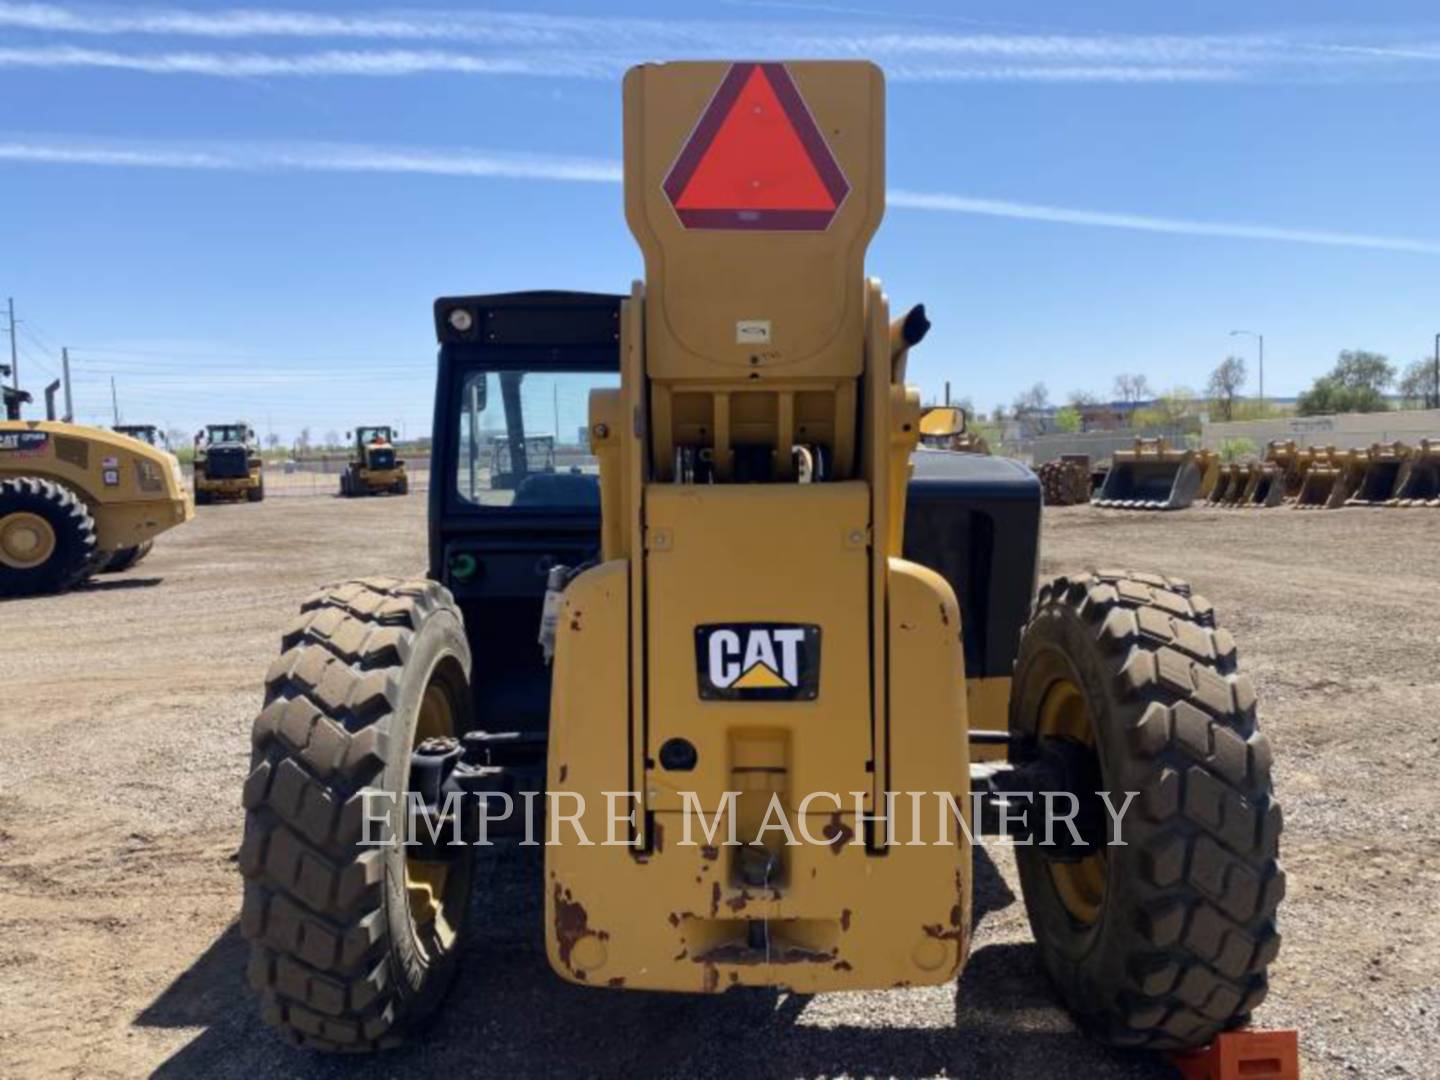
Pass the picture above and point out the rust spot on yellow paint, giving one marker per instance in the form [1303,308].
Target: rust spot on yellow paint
[715,900]
[735,953]
[845,919]
[944,615]
[571,924]
[710,852]
[564,772]
[659,837]
[842,965]
[837,834]
[616,982]
[712,978]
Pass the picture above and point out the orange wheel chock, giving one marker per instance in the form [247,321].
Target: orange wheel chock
[1244,1055]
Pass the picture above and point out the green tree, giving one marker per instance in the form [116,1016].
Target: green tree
[1237,449]
[1417,385]
[1067,419]
[1357,383]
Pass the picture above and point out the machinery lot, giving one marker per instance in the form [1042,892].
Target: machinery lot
[125,724]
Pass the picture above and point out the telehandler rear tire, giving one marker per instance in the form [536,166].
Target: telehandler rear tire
[352,945]
[257,493]
[1165,941]
[47,537]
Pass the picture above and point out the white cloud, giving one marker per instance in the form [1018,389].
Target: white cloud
[520,43]
[331,157]
[964,204]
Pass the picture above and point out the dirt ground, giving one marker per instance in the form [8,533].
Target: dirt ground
[125,711]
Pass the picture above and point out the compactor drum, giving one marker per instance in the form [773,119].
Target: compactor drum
[77,501]
[1153,476]
[758,601]
[1419,480]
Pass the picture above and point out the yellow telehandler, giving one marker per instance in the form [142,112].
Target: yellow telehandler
[768,624]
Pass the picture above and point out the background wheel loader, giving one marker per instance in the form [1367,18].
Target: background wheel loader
[374,469]
[77,501]
[228,465]
[752,587]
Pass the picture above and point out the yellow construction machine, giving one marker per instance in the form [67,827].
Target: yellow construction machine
[77,501]
[770,624]
[228,464]
[374,468]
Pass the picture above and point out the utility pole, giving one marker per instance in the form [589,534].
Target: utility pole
[14,357]
[947,391]
[114,401]
[65,372]
[1436,404]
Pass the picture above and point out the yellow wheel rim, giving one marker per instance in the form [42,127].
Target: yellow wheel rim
[1080,885]
[425,881]
[26,540]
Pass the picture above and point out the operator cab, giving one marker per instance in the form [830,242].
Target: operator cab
[516,488]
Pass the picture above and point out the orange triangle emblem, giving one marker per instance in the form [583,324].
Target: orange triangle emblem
[756,159]
[761,676]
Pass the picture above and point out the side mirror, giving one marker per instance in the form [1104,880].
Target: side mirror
[943,422]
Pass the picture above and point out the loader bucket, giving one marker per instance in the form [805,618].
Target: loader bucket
[1208,464]
[1381,475]
[1232,486]
[1330,481]
[1150,477]
[1224,480]
[1266,487]
[1288,459]
[1419,481]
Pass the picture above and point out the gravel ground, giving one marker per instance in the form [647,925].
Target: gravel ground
[125,717]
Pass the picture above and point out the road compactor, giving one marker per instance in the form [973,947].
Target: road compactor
[758,601]
[76,501]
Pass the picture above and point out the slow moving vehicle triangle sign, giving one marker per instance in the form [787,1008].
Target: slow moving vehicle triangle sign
[756,159]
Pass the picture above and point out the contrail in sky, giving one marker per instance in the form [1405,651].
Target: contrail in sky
[328,157]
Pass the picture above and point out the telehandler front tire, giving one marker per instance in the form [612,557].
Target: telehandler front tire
[1165,941]
[47,537]
[352,945]
[257,493]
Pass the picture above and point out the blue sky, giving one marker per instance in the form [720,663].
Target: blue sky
[247,212]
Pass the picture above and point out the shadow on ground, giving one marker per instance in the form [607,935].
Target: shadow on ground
[508,1016]
[118,584]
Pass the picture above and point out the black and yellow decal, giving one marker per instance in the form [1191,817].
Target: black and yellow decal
[758,661]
